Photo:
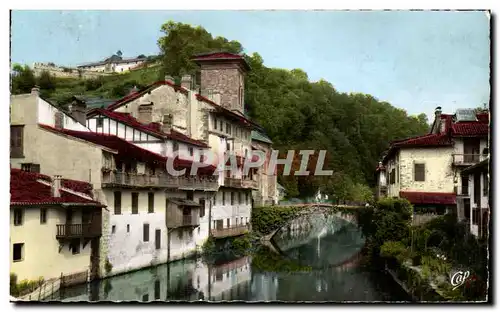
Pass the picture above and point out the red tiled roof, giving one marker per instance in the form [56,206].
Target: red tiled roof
[483,118]
[133,96]
[425,140]
[227,112]
[470,128]
[25,190]
[127,150]
[429,198]
[220,56]
[152,128]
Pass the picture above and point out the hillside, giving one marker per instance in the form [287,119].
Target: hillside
[355,129]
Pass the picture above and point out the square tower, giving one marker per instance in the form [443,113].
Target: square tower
[224,72]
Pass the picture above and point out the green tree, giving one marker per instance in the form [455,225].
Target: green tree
[181,41]
[46,81]
[22,79]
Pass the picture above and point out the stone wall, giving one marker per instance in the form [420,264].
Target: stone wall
[228,79]
[61,72]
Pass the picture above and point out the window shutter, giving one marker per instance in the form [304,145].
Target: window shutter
[419,172]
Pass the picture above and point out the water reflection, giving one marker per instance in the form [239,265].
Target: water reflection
[324,266]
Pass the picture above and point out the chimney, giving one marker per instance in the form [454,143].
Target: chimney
[167,123]
[186,82]
[437,112]
[145,113]
[35,90]
[169,79]
[78,110]
[56,186]
[437,120]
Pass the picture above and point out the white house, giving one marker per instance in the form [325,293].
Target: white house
[113,64]
[426,169]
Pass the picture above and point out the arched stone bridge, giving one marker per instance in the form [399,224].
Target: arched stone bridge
[298,225]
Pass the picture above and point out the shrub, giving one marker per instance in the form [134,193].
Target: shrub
[392,249]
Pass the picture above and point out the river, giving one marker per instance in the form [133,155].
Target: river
[319,261]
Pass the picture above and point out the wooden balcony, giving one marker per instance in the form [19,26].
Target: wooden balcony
[467,159]
[192,220]
[231,231]
[240,183]
[87,230]
[113,179]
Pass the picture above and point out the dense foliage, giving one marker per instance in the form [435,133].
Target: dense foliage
[425,254]
[296,113]
[267,219]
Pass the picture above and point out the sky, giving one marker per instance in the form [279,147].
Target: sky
[415,60]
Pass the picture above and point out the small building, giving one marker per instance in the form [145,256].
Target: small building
[473,204]
[55,227]
[113,64]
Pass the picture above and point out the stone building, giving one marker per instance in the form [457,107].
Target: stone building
[426,169]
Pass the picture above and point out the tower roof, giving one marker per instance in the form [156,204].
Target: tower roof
[220,57]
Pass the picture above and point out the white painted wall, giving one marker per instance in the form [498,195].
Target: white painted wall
[126,249]
[439,175]
[46,116]
[235,212]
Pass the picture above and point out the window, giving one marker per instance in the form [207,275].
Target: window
[239,198]
[202,208]
[118,202]
[246,220]
[232,198]
[191,151]
[145,297]
[113,229]
[16,141]
[475,216]
[128,228]
[419,172]
[465,185]
[485,184]
[43,215]
[75,246]
[135,203]
[99,122]
[228,222]
[241,95]
[151,202]
[236,221]
[223,198]
[18,252]
[392,176]
[190,195]
[145,232]
[18,216]
[221,126]
[181,234]
[246,198]
[215,123]
[176,146]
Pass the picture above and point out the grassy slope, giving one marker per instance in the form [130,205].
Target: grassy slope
[112,87]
